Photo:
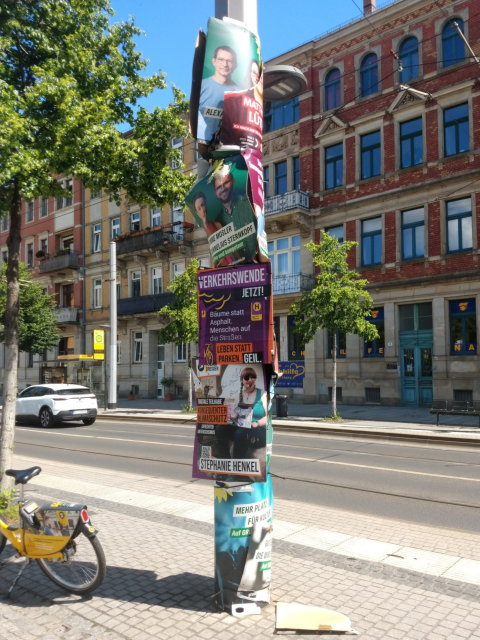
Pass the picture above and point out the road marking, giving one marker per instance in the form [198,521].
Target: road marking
[319,461]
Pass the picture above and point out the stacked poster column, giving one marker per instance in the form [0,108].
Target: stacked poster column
[235,372]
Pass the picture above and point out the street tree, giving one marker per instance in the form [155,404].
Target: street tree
[338,302]
[37,329]
[181,316]
[69,77]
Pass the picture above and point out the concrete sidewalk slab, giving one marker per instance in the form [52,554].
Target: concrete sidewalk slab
[160,565]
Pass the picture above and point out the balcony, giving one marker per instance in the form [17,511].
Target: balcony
[66,315]
[59,262]
[166,237]
[143,304]
[292,283]
[286,202]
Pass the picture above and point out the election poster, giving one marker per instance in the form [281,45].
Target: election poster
[231,63]
[235,310]
[232,423]
[243,546]
[228,205]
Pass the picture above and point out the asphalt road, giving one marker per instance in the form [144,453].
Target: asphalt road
[438,486]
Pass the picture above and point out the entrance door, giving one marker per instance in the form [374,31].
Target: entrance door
[161,369]
[417,387]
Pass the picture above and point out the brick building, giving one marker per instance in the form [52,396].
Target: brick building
[397,170]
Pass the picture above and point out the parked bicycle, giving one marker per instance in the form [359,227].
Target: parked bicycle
[59,536]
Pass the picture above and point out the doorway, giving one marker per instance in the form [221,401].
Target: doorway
[160,370]
[416,349]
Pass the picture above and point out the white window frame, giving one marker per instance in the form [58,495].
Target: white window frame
[30,211]
[175,268]
[68,240]
[97,238]
[28,246]
[43,208]
[69,187]
[137,347]
[205,262]
[119,290]
[177,143]
[155,217]
[115,227]
[290,251]
[135,279]
[134,220]
[43,244]
[97,293]
[4,226]
[156,273]
[181,352]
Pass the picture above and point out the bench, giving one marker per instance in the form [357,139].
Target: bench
[455,408]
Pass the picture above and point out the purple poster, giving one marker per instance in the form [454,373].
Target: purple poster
[235,311]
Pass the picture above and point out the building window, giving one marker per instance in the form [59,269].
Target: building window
[181,352]
[115,227]
[276,330]
[413,234]
[177,144]
[296,172]
[178,218]
[341,345]
[44,208]
[135,221]
[67,296]
[95,194]
[455,128]
[137,347]
[119,349]
[97,293]
[59,202]
[155,217]
[281,178]
[415,317]
[371,241]
[67,243]
[370,145]
[97,238]
[178,269]
[411,143]
[376,349]
[5,256]
[453,47]
[332,89]
[204,263]
[408,54]
[296,350]
[29,359]
[136,284]
[29,215]
[369,75]
[5,223]
[69,187]
[334,166]
[459,225]
[280,114]
[29,255]
[463,327]
[44,245]
[66,347]
[266,181]
[156,275]
[336,232]
[119,290]
[284,254]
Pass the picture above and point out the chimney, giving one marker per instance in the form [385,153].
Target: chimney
[369,6]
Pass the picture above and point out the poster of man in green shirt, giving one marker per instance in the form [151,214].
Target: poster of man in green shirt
[230,221]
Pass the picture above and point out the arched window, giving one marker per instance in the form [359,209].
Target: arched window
[408,54]
[453,48]
[332,89]
[369,75]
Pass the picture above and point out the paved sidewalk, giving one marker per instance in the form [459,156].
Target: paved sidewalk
[393,579]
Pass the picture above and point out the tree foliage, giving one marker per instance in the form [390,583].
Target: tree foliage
[36,319]
[339,300]
[181,315]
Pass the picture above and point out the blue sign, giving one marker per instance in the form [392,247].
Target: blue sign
[377,314]
[460,307]
[293,374]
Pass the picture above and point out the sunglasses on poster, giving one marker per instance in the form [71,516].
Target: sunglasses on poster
[248,376]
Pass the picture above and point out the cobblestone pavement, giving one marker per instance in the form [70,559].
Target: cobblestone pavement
[159,578]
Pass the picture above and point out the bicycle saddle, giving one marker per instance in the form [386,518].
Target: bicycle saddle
[24,475]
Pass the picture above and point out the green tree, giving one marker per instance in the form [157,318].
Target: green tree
[68,78]
[338,302]
[182,316]
[37,330]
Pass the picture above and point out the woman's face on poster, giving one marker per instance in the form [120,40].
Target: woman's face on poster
[249,379]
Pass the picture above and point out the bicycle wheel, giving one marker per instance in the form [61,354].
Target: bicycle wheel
[3,542]
[83,569]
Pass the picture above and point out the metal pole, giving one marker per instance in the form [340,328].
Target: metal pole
[112,395]
[241,10]
[105,396]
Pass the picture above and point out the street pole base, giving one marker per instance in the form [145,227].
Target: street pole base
[112,405]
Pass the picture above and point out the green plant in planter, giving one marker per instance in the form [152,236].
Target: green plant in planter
[167,382]
[60,252]
[40,254]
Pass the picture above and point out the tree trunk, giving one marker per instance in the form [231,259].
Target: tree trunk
[334,384]
[189,376]
[10,381]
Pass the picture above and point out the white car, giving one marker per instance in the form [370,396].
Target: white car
[51,403]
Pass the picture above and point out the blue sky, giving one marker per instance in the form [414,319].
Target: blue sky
[171,28]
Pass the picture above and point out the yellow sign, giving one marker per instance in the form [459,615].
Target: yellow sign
[98,340]
[85,357]
[70,356]
[256,311]
[99,356]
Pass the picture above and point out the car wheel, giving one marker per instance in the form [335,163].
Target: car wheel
[46,417]
[88,421]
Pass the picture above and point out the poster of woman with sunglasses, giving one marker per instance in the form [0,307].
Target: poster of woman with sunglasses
[231,423]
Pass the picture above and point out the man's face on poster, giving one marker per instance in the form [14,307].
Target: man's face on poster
[224,188]
[224,63]
[201,209]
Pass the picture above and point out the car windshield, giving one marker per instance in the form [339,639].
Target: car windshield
[72,392]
